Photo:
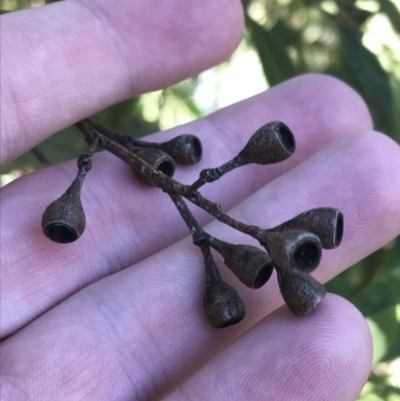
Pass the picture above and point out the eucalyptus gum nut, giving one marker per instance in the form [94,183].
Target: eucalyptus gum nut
[300,291]
[64,219]
[272,143]
[293,249]
[158,159]
[252,266]
[223,305]
[185,149]
[325,222]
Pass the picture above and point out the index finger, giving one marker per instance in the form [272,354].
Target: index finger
[68,60]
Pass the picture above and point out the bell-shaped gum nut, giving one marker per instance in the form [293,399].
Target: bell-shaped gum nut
[252,266]
[293,249]
[156,158]
[272,143]
[224,307]
[325,222]
[64,220]
[301,292]
[185,149]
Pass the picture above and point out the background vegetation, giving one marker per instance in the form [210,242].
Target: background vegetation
[355,40]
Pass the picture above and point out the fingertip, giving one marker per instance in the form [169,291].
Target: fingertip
[325,356]
[374,161]
[333,355]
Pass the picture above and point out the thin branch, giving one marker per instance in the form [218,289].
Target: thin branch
[164,182]
[40,156]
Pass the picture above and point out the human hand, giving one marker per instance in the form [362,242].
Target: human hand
[118,314]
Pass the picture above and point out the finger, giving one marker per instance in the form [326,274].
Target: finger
[325,356]
[144,329]
[127,222]
[68,60]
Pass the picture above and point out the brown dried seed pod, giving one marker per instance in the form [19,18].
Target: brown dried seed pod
[185,149]
[158,159]
[251,265]
[301,292]
[223,305]
[326,222]
[64,220]
[292,249]
[272,143]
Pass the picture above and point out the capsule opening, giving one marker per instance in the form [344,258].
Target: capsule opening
[287,138]
[61,233]
[167,168]
[197,149]
[263,275]
[339,229]
[307,256]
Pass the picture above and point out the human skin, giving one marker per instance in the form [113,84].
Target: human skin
[118,314]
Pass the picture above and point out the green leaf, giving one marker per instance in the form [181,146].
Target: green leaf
[116,116]
[387,320]
[381,294]
[392,389]
[288,36]
[392,13]
[187,99]
[63,146]
[368,77]
[379,340]
[396,101]
[275,60]
[352,13]
[394,349]
[383,326]
[126,117]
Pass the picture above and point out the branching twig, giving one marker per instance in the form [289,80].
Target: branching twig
[294,247]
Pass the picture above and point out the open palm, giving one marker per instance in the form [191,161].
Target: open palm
[118,314]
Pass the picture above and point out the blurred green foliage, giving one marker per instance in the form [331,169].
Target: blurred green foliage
[292,37]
